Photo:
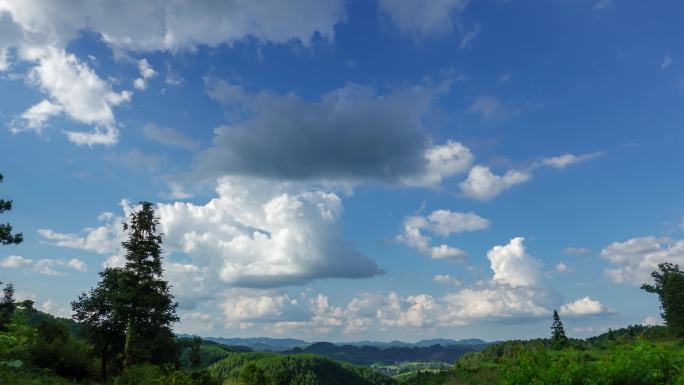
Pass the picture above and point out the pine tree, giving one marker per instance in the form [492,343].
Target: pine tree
[557,331]
[6,236]
[151,310]
[7,306]
[131,311]
[669,285]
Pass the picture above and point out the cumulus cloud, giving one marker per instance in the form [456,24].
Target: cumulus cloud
[422,19]
[584,307]
[443,161]
[74,90]
[513,294]
[512,265]
[352,133]
[442,223]
[484,185]
[253,234]
[43,266]
[169,136]
[636,258]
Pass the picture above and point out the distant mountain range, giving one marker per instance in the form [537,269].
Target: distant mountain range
[368,355]
[265,344]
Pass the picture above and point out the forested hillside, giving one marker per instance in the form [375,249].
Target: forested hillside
[367,355]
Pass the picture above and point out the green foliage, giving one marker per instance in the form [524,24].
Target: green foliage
[57,350]
[368,355]
[250,374]
[130,313]
[149,310]
[558,332]
[195,356]
[147,374]
[639,363]
[286,369]
[669,285]
[24,376]
[7,306]
[6,236]
[17,341]
[210,352]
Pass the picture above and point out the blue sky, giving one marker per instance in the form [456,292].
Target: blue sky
[345,170]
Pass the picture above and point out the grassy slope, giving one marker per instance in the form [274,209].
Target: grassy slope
[634,355]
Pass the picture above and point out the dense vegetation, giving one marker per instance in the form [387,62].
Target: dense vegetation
[367,355]
[304,369]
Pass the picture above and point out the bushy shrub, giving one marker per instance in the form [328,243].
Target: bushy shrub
[640,363]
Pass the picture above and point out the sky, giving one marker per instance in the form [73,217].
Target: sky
[350,170]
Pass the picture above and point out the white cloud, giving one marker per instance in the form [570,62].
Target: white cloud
[195,323]
[468,37]
[146,73]
[75,90]
[445,222]
[253,234]
[43,266]
[169,136]
[448,252]
[260,234]
[442,223]
[636,258]
[104,239]
[512,265]
[565,160]
[584,307]
[443,161]
[513,295]
[652,320]
[667,61]
[447,279]
[495,302]
[37,116]
[484,185]
[52,307]
[561,267]
[422,18]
